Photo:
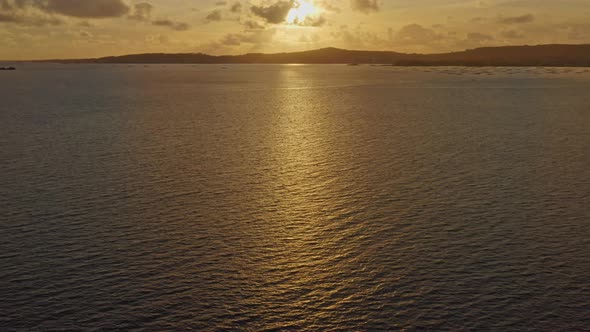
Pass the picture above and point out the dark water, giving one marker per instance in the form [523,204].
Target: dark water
[304,198]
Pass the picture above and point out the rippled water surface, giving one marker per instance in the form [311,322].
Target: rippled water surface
[304,198]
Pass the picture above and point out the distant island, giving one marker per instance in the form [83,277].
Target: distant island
[539,55]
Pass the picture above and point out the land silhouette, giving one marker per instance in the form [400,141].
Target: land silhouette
[538,55]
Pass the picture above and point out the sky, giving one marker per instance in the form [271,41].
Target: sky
[65,29]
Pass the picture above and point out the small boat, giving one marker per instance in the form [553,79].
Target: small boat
[7,68]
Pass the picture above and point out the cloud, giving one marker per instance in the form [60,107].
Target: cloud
[256,37]
[478,19]
[276,13]
[516,19]
[415,34]
[577,32]
[16,18]
[311,21]
[253,25]
[359,38]
[157,39]
[178,26]
[473,40]
[85,9]
[236,7]
[85,34]
[365,6]
[142,11]
[329,6]
[214,16]
[47,12]
[9,18]
[478,38]
[252,40]
[7,5]
[512,34]
[15,12]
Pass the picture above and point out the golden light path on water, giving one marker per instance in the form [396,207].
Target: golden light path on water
[311,174]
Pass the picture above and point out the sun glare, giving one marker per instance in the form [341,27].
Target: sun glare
[301,11]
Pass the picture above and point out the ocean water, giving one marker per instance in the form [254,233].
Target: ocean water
[294,198]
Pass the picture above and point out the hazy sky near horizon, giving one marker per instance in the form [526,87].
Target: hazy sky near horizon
[39,29]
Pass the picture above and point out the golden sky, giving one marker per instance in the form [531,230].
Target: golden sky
[40,29]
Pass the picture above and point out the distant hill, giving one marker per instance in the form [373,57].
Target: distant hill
[540,55]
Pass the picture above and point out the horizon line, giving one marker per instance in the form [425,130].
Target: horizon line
[291,52]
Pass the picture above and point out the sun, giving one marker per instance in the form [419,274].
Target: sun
[300,11]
